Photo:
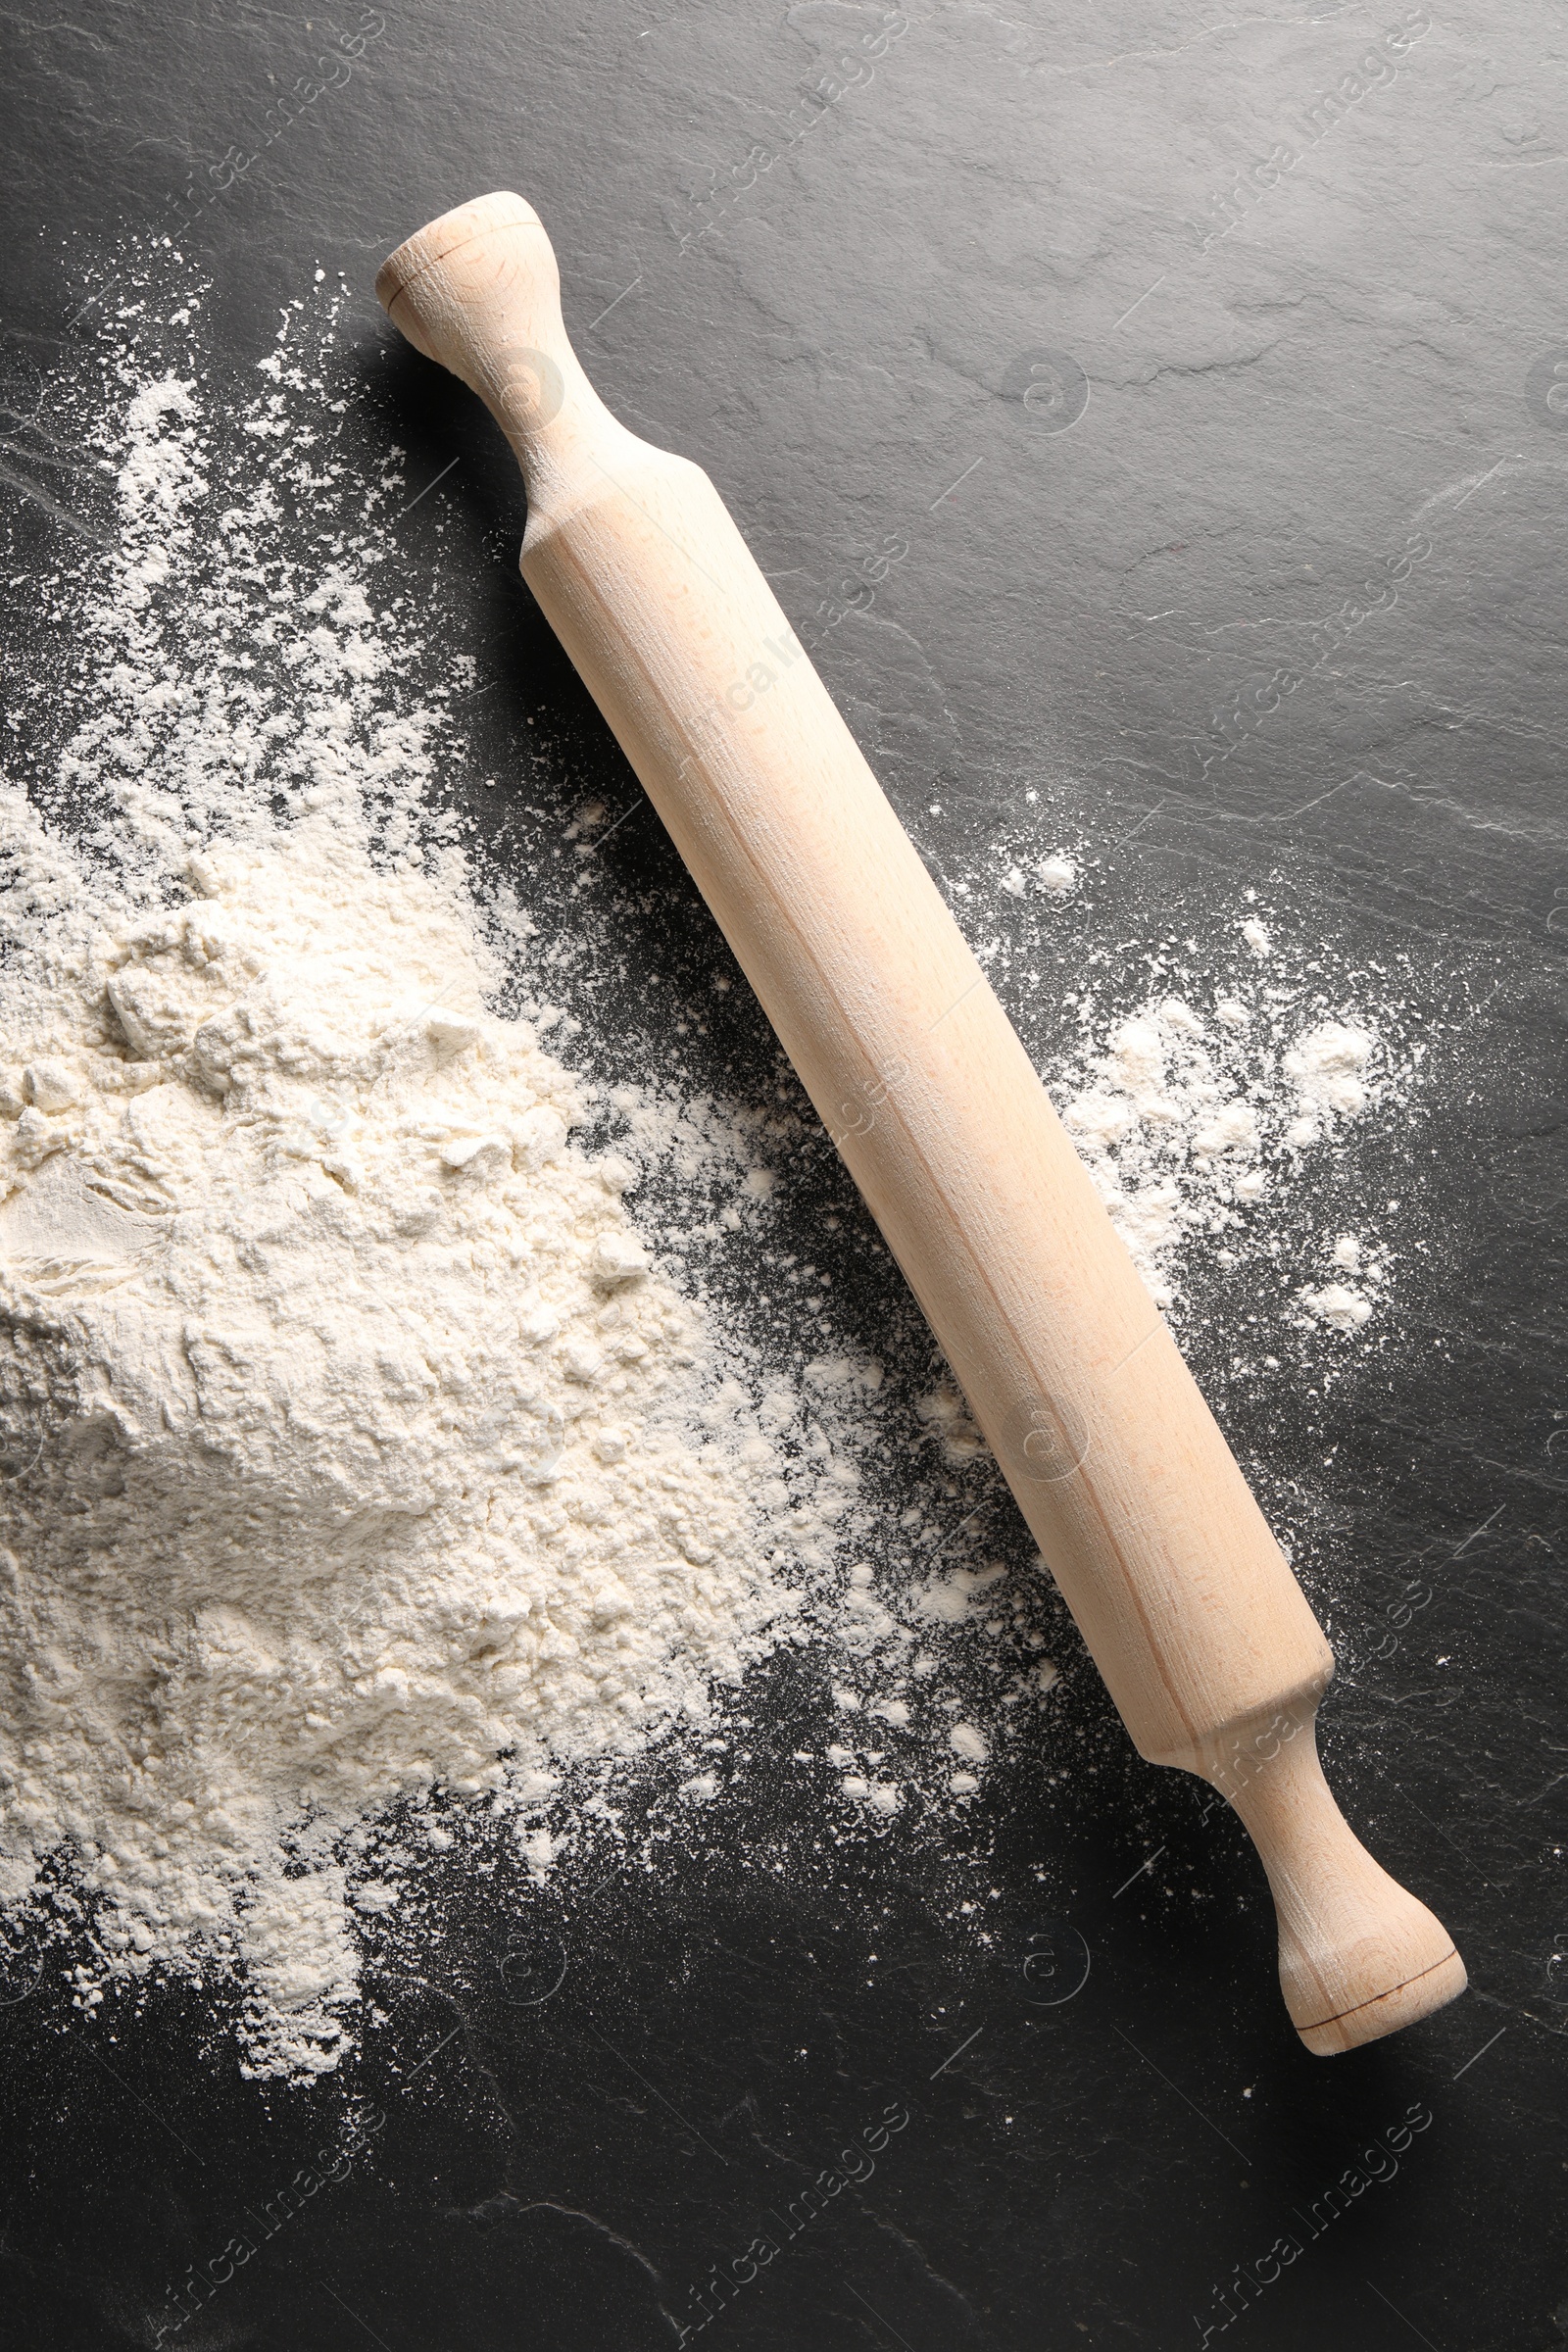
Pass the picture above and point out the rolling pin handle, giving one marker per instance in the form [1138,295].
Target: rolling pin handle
[1359,1955]
[479,291]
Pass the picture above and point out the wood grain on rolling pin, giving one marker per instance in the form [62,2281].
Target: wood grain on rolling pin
[1202,1635]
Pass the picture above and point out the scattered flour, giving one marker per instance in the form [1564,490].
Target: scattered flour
[1342,1308]
[1239,1070]
[1189,1121]
[1328,1066]
[1055,877]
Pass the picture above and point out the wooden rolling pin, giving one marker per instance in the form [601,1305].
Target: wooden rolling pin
[1191,1613]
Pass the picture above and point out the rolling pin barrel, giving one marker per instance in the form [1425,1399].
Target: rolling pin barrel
[1193,1615]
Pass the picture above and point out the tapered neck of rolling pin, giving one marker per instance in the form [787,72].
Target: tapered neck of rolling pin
[479,291]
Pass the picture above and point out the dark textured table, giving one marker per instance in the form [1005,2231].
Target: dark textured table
[1155,336]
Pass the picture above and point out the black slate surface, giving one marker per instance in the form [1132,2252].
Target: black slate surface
[1156,334]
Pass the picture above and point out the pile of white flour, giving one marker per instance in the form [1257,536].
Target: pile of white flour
[351,1445]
